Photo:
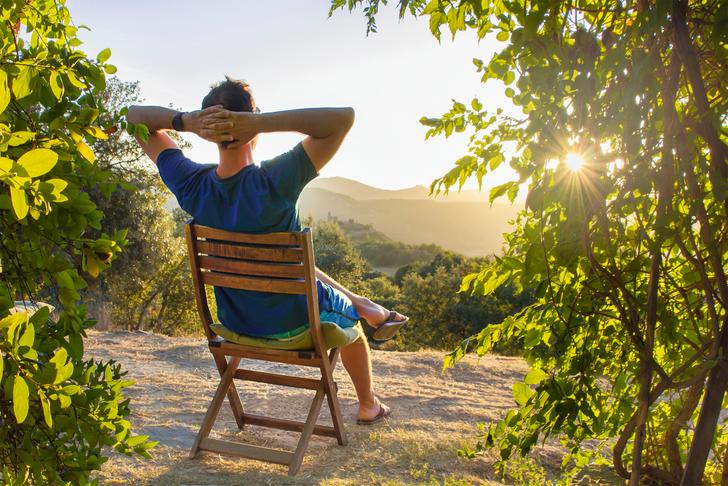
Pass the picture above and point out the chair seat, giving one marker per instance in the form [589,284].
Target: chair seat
[334,337]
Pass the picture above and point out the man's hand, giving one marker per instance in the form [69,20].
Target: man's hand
[227,126]
[195,122]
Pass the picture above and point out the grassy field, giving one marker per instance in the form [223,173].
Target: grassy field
[433,415]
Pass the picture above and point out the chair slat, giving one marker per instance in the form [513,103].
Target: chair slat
[241,267]
[259,284]
[285,424]
[289,255]
[289,239]
[277,379]
[302,358]
[246,450]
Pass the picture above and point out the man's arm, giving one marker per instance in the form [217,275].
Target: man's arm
[158,119]
[326,128]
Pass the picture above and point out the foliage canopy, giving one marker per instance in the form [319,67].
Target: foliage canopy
[57,410]
[628,337]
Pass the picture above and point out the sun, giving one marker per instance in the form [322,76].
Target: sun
[574,161]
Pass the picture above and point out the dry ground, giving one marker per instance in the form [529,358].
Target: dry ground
[433,415]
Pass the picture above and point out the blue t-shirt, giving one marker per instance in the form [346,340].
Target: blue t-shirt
[257,199]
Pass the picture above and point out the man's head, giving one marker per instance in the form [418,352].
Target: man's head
[233,95]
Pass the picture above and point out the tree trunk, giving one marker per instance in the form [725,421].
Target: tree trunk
[709,415]
[724,475]
[690,402]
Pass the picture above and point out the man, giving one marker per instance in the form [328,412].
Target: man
[237,195]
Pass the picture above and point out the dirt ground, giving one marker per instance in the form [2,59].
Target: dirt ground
[434,414]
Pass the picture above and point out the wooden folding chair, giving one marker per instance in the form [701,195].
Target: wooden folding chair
[278,263]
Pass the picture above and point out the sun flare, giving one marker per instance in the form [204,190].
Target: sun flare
[574,161]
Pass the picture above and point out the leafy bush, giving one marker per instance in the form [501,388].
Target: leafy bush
[395,253]
[440,315]
[336,256]
[57,410]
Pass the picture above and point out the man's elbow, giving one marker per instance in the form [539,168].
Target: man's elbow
[348,117]
[133,115]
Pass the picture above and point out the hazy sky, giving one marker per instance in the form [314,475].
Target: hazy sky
[294,56]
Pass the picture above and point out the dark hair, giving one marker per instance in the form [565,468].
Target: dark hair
[232,94]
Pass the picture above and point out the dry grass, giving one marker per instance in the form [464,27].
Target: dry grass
[433,415]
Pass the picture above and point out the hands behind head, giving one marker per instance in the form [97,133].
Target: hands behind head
[216,124]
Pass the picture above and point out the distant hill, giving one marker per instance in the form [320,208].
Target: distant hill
[471,228]
[362,192]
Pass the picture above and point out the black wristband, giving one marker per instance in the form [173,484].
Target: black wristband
[177,122]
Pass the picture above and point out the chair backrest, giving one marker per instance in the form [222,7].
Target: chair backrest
[273,262]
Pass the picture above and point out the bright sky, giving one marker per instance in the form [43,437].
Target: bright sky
[294,56]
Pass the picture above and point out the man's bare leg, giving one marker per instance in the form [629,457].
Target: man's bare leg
[357,362]
[370,311]
[356,357]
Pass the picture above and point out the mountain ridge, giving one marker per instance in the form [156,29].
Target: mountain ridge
[470,228]
[364,192]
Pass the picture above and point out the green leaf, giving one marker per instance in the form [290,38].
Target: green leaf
[498,191]
[28,336]
[60,357]
[104,55]
[533,337]
[20,399]
[58,185]
[65,400]
[22,84]
[20,203]
[6,164]
[86,152]
[4,91]
[521,393]
[20,138]
[136,440]
[502,36]
[75,346]
[110,69]
[76,81]
[45,404]
[65,280]
[38,162]
[56,85]
[71,389]
[96,132]
[535,376]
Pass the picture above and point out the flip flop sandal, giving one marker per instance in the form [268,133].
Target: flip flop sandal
[389,328]
[384,411]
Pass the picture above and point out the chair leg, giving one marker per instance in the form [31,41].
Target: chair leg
[313,414]
[333,399]
[233,397]
[236,405]
[217,399]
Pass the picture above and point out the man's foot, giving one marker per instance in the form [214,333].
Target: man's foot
[389,328]
[375,314]
[369,415]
